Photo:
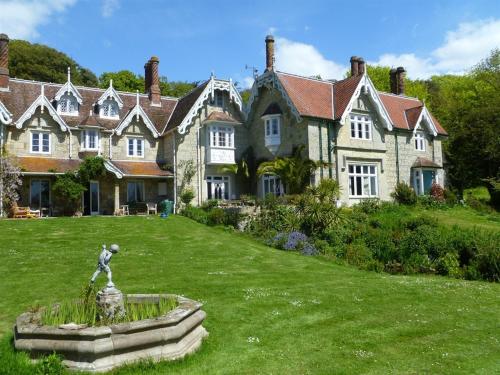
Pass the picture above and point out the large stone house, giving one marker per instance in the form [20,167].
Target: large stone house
[155,147]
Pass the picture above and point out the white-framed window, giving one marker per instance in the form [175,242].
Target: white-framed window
[135,147]
[68,105]
[361,126]
[135,191]
[218,187]
[272,129]
[363,180]
[419,141]
[271,184]
[90,140]
[222,136]
[40,143]
[218,99]
[109,109]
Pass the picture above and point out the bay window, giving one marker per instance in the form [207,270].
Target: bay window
[221,136]
[90,140]
[363,181]
[272,131]
[135,147]
[361,127]
[40,142]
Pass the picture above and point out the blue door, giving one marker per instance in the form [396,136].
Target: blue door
[429,177]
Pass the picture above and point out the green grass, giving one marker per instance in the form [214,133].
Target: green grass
[480,192]
[269,312]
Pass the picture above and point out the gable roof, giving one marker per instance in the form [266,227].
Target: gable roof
[406,112]
[22,94]
[222,117]
[311,97]
[272,109]
[329,100]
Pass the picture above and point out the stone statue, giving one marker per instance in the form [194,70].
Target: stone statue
[103,264]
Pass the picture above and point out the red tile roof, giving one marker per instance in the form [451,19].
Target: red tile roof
[35,164]
[311,97]
[141,168]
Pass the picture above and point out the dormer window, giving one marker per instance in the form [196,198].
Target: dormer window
[361,127]
[90,140]
[68,105]
[218,99]
[419,141]
[109,109]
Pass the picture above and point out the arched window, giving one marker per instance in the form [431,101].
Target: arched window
[109,109]
[68,105]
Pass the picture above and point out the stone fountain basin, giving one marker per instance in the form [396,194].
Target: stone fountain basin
[99,349]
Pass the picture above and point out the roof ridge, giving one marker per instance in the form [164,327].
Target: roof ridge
[399,96]
[308,78]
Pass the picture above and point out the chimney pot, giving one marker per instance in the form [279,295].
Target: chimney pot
[354,65]
[361,66]
[4,61]
[269,53]
[400,80]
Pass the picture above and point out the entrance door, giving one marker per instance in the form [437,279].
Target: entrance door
[91,199]
[218,187]
[429,177]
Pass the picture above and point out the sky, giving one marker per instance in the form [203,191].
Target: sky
[194,38]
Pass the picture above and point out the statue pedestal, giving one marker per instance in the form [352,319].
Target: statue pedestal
[110,303]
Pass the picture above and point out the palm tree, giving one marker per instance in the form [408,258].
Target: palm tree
[295,171]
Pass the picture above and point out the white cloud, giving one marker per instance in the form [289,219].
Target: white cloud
[305,59]
[109,7]
[462,49]
[21,19]
[247,82]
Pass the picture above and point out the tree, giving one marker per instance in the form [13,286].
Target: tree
[69,189]
[41,63]
[295,171]
[10,182]
[124,80]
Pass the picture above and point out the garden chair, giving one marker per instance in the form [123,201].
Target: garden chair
[25,213]
[152,207]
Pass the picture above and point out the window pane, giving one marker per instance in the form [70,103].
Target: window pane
[35,142]
[351,185]
[131,192]
[360,130]
[373,185]
[359,191]
[365,169]
[366,185]
[353,130]
[139,147]
[275,126]
[45,142]
[351,169]
[367,131]
[358,169]
[372,169]
[139,191]
[130,147]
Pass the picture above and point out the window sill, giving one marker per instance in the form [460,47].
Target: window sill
[72,114]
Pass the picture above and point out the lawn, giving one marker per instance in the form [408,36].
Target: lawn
[269,312]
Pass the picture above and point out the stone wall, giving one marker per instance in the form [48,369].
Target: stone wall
[153,147]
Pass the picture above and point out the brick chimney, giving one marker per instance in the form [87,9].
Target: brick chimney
[152,80]
[392,80]
[400,80]
[269,53]
[361,66]
[354,65]
[147,78]
[4,61]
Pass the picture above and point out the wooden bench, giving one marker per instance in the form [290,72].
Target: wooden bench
[25,213]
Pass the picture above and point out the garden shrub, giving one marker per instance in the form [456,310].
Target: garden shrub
[357,253]
[448,265]
[450,197]
[380,243]
[187,196]
[404,194]
[437,193]
[232,217]
[368,206]
[196,214]
[209,204]
[216,216]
